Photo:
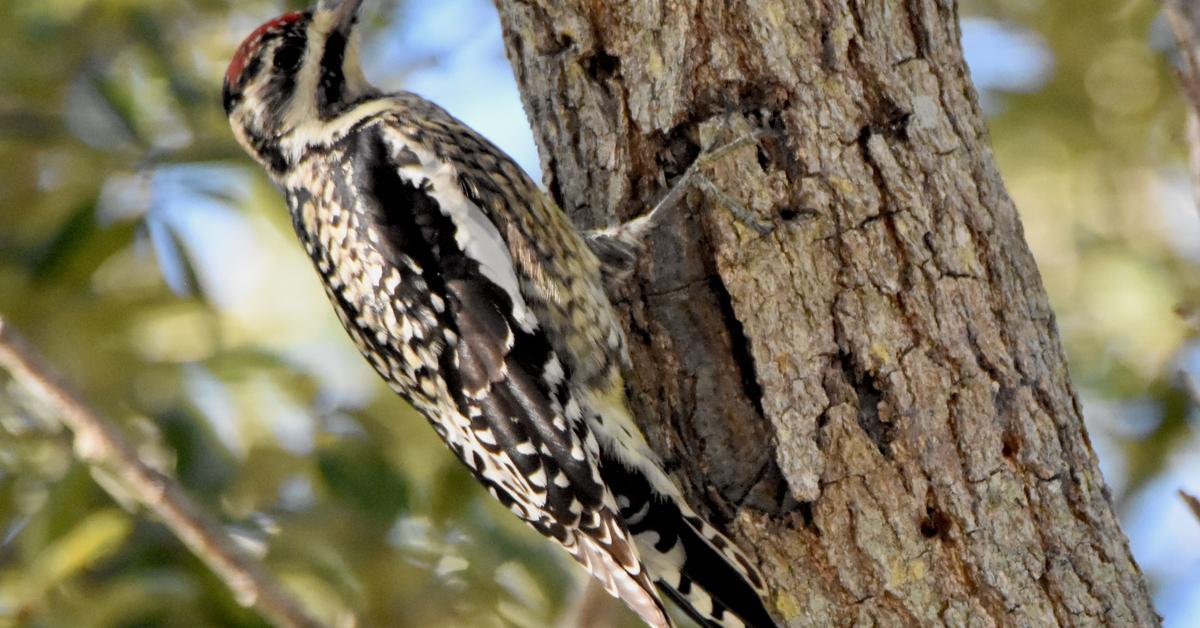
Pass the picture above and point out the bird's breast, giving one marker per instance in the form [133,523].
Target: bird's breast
[380,296]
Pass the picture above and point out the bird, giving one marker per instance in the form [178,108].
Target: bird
[480,304]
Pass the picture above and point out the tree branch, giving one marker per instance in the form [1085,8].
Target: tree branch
[99,442]
[1192,502]
[1184,17]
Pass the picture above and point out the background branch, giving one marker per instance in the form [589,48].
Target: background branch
[1192,502]
[593,608]
[99,442]
[1184,17]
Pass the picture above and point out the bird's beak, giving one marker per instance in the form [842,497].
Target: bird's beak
[343,13]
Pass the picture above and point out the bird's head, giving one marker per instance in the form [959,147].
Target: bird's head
[298,68]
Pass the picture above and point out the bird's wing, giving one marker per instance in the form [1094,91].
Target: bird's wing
[526,438]
[509,377]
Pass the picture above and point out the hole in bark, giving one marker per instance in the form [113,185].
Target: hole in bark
[935,524]
[601,66]
[889,120]
[806,515]
[771,150]
[742,355]
[789,214]
[869,396]
[554,187]
[679,149]
[864,135]
[898,127]
[1011,444]
[1006,413]
[764,160]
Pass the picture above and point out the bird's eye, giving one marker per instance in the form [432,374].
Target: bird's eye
[289,55]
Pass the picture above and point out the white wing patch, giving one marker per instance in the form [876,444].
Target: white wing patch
[476,234]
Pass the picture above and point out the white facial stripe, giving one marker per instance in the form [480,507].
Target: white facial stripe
[356,82]
[317,132]
[302,112]
[303,105]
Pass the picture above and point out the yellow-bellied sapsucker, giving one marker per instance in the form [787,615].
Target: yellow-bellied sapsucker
[471,293]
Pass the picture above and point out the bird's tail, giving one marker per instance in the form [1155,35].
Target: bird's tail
[608,555]
[691,562]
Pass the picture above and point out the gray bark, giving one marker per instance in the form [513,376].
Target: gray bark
[872,397]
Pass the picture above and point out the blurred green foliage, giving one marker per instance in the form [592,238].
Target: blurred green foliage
[144,254]
[125,208]
[1096,162]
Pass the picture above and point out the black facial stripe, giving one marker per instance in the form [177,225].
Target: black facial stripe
[289,54]
[254,64]
[333,81]
[231,94]
[283,85]
[269,151]
[229,98]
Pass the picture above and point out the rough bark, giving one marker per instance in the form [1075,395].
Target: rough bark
[871,397]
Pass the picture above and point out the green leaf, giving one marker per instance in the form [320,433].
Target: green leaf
[89,542]
[357,473]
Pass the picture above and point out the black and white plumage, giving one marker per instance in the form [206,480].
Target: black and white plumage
[473,296]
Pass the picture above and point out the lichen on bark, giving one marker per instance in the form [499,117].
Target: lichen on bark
[871,396]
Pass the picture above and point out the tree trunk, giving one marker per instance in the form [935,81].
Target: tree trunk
[871,396]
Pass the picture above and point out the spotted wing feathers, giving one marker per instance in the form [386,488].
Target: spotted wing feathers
[516,396]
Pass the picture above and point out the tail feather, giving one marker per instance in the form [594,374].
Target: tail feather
[706,611]
[732,555]
[692,562]
[717,585]
[607,554]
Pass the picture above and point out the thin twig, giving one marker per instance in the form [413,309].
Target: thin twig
[1192,502]
[99,442]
